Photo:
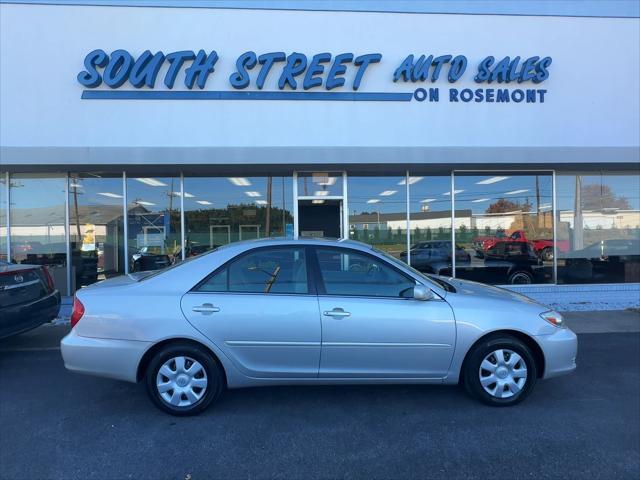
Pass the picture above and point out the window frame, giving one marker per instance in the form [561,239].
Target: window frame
[311,283]
[319,281]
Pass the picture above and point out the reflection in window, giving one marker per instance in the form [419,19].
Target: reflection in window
[153,216]
[430,225]
[38,223]
[3,216]
[95,227]
[347,272]
[504,227]
[598,228]
[319,184]
[378,212]
[269,270]
[221,210]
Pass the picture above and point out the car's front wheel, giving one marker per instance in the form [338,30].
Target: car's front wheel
[183,379]
[500,371]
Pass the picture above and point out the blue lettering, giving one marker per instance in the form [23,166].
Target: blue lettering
[296,63]
[542,72]
[439,62]
[420,71]
[118,69]
[466,95]
[479,95]
[490,92]
[484,71]
[315,68]
[201,67]
[267,60]
[457,68]
[502,95]
[528,71]
[146,68]
[404,70]
[453,94]
[240,78]
[512,76]
[517,95]
[363,61]
[176,60]
[542,92]
[90,77]
[501,71]
[338,68]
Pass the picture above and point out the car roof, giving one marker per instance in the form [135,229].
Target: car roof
[344,242]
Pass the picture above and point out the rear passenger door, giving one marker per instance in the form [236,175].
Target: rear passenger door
[371,325]
[261,309]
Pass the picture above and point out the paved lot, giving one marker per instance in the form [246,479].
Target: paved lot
[54,424]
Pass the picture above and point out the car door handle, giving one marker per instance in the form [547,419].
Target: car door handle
[206,309]
[336,313]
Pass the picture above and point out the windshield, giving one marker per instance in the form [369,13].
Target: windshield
[401,264]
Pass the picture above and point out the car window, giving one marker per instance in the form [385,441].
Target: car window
[266,270]
[347,272]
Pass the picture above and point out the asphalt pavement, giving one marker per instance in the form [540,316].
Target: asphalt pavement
[59,425]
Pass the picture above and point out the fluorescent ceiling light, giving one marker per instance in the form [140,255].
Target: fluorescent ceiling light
[151,182]
[109,194]
[261,202]
[546,206]
[489,181]
[428,200]
[513,192]
[455,192]
[75,185]
[412,180]
[252,194]
[204,202]
[478,200]
[186,195]
[321,178]
[239,181]
[373,200]
[142,202]
[388,193]
[317,202]
[322,193]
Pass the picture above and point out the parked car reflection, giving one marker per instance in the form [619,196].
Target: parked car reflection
[433,256]
[149,258]
[614,260]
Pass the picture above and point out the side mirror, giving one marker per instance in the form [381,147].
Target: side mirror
[420,292]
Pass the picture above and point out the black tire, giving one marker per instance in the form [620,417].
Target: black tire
[520,277]
[547,254]
[214,375]
[472,372]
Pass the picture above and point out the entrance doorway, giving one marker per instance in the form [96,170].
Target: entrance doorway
[320,218]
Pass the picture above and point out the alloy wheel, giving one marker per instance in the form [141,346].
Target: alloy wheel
[503,373]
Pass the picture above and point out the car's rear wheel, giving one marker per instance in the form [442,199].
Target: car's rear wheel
[500,371]
[520,278]
[183,379]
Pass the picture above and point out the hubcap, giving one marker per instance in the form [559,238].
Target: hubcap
[503,373]
[181,381]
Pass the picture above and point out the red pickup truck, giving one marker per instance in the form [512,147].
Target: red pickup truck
[542,247]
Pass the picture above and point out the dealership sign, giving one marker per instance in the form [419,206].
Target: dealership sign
[300,77]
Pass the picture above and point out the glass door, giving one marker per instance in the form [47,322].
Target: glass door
[320,204]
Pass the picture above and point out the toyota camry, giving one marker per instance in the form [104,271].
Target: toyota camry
[310,311]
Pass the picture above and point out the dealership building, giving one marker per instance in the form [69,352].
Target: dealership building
[494,141]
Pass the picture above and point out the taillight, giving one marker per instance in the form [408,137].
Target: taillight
[77,313]
[49,278]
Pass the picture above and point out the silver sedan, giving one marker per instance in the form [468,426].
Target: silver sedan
[274,312]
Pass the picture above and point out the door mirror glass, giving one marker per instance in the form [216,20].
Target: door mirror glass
[420,292]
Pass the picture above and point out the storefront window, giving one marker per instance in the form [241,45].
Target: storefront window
[221,210]
[504,227]
[430,224]
[3,216]
[598,228]
[319,184]
[378,212]
[38,223]
[95,227]
[153,218]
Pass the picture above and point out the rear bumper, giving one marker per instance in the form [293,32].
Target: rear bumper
[560,350]
[117,359]
[27,316]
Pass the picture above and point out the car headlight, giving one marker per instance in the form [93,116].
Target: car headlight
[554,318]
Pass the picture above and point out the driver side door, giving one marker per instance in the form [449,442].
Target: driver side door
[371,325]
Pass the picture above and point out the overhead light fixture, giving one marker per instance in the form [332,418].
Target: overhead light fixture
[478,200]
[322,193]
[204,202]
[75,185]
[186,195]
[373,200]
[152,182]
[514,192]
[388,193]
[428,200]
[489,181]
[251,193]
[260,202]
[412,180]
[142,202]
[455,192]
[239,181]
[323,178]
[109,194]
[546,206]
[317,202]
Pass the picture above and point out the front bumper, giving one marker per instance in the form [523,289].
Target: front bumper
[104,357]
[560,350]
